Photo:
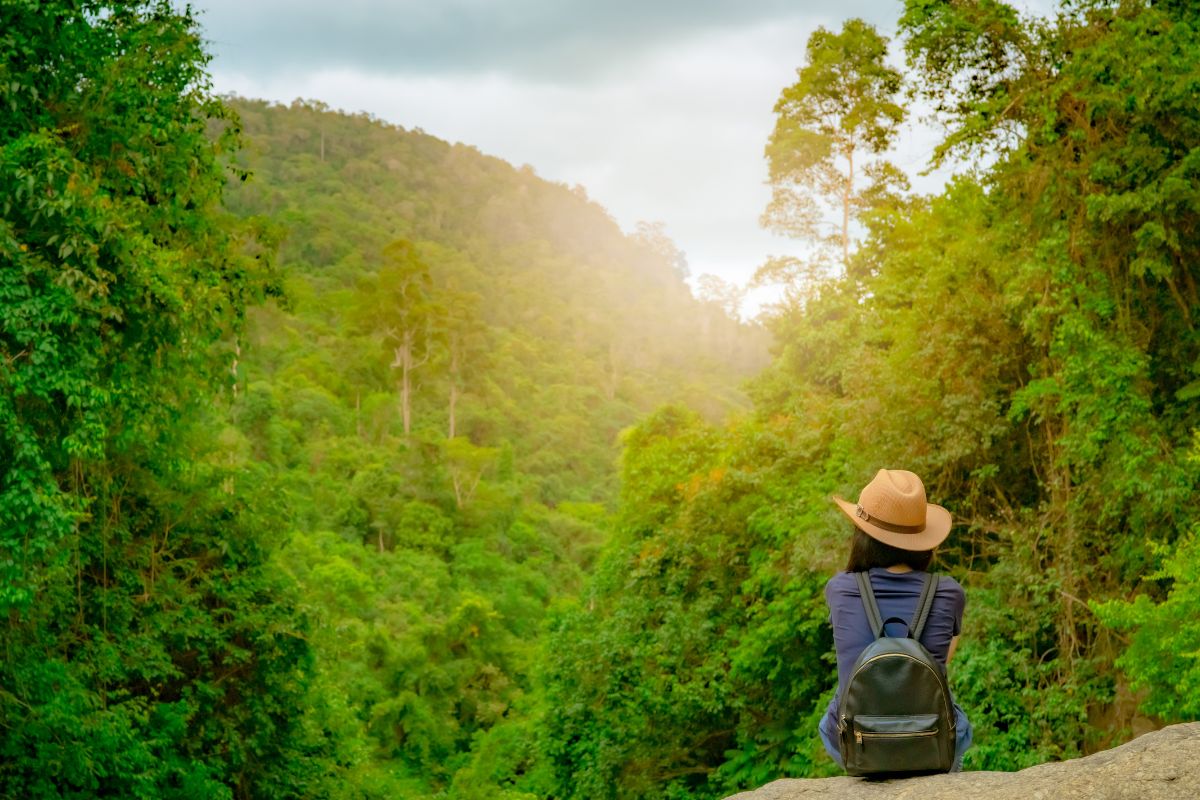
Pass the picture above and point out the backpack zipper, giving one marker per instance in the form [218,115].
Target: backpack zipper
[859,735]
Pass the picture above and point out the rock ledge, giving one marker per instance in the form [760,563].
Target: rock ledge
[1163,765]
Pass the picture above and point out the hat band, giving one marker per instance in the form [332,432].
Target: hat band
[865,515]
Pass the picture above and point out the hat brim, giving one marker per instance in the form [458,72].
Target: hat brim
[937,527]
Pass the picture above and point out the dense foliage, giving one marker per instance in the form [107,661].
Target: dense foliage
[436,404]
[149,648]
[352,463]
[1024,339]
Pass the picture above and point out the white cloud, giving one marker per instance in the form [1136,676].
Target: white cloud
[550,40]
[669,130]
[675,136]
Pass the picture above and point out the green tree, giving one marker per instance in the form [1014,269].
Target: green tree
[466,464]
[1100,180]
[691,665]
[832,127]
[399,306]
[1163,657]
[151,650]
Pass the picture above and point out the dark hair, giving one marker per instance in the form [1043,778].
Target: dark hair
[867,552]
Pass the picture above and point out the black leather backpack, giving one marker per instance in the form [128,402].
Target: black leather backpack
[895,714]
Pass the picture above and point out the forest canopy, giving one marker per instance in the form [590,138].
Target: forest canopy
[340,461]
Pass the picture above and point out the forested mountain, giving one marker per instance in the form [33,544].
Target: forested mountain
[340,461]
[433,406]
[306,421]
[530,318]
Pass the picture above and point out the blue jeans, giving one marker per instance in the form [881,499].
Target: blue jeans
[964,736]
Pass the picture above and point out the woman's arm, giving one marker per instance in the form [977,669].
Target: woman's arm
[953,647]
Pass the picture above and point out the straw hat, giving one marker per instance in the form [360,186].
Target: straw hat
[892,509]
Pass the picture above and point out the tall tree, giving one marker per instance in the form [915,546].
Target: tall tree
[467,464]
[825,154]
[464,334]
[150,647]
[399,306]
[721,293]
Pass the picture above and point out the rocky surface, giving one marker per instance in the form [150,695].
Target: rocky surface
[1163,765]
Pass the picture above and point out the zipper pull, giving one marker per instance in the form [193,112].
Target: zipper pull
[858,737]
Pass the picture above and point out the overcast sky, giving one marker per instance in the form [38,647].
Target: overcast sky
[659,108]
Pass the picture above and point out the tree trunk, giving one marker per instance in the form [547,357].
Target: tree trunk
[464,486]
[458,490]
[406,396]
[233,368]
[453,389]
[404,362]
[847,194]
[614,373]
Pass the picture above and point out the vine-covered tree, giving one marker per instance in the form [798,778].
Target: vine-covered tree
[150,649]
[1097,135]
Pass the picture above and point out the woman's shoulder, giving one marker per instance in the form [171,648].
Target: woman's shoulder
[842,584]
[949,585]
[953,591]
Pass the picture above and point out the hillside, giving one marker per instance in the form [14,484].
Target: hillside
[433,405]
[570,329]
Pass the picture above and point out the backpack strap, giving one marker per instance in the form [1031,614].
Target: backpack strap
[924,604]
[869,604]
